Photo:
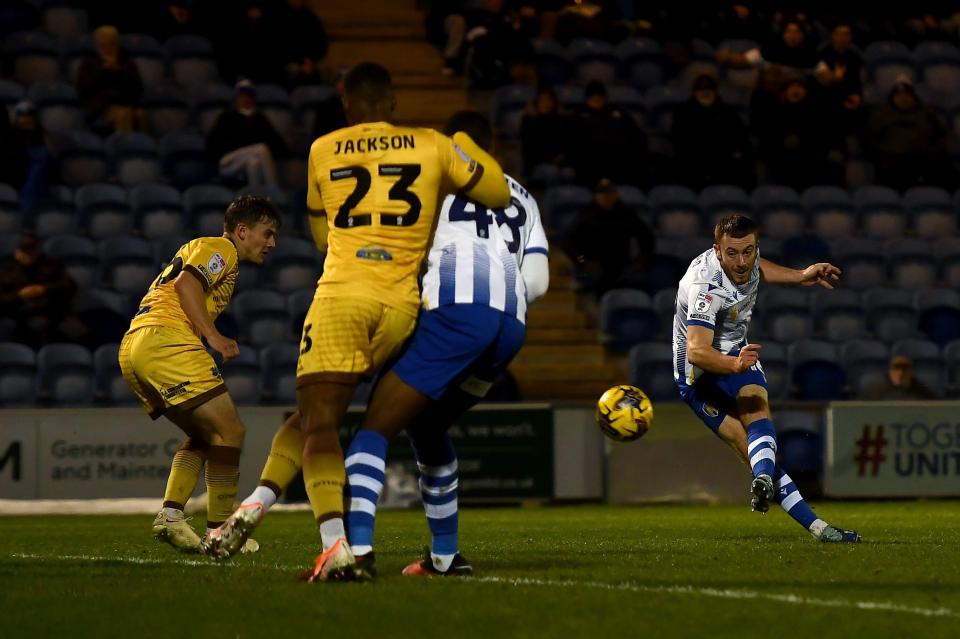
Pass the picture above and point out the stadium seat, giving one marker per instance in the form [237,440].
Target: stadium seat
[561,205]
[939,64]
[634,199]
[305,101]
[626,317]
[831,211]
[274,102]
[134,158]
[676,210]
[278,366]
[928,365]
[866,363]
[262,315]
[109,384]
[911,263]
[10,94]
[651,368]
[816,371]
[641,62]
[79,256]
[778,211]
[951,359]
[10,214]
[938,314]
[887,62]
[932,211]
[58,106]
[799,442]
[665,306]
[165,248]
[721,200]
[743,78]
[157,210]
[507,108]
[146,53]
[661,103]
[861,260]
[34,56]
[803,250]
[18,373]
[946,250]
[298,303]
[105,313]
[684,248]
[185,160]
[881,213]
[104,210]
[251,277]
[293,265]
[242,377]
[627,99]
[593,60]
[570,96]
[839,314]
[83,160]
[205,205]
[890,313]
[191,60]
[62,19]
[787,313]
[776,369]
[167,109]
[665,271]
[553,64]
[74,50]
[127,264]
[65,374]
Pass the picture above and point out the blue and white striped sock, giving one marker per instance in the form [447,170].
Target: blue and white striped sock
[437,461]
[793,503]
[762,447]
[365,462]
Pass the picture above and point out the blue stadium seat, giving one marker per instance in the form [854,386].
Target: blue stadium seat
[146,53]
[58,106]
[83,160]
[211,100]
[787,313]
[18,372]
[719,200]
[799,441]
[932,211]
[191,60]
[626,317]
[274,102]
[10,94]
[158,210]
[134,157]
[866,363]
[881,214]
[801,251]
[185,160]
[776,369]
[109,384]
[242,377]
[946,251]
[627,99]
[839,314]
[263,317]
[661,103]
[294,265]
[79,256]
[676,210]
[593,60]
[743,78]
[641,62]
[74,50]
[105,313]
[939,314]
[928,365]
[831,211]
[778,210]
[634,199]
[862,262]
[651,368]
[507,108]
[911,263]
[890,313]
[298,303]
[278,366]
[561,205]
[104,210]
[127,264]
[11,217]
[665,306]
[570,96]
[939,64]
[165,248]
[62,19]
[951,359]
[553,64]
[886,62]
[35,57]
[65,374]
[665,271]
[167,109]
[816,371]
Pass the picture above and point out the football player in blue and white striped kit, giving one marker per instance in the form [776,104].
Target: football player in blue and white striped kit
[484,268]
[719,374]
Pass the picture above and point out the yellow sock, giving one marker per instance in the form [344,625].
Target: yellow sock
[324,477]
[184,473]
[283,462]
[223,473]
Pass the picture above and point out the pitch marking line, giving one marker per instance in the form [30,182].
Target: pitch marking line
[883,606]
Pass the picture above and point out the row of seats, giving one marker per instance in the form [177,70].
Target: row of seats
[628,316]
[64,374]
[812,369]
[678,211]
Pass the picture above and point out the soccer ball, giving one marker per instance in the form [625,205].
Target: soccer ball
[624,413]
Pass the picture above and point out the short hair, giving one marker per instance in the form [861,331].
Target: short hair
[736,226]
[474,124]
[250,210]
[368,82]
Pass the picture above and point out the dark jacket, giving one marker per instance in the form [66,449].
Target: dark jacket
[233,130]
[100,88]
[46,271]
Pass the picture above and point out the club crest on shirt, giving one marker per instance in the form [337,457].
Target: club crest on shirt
[216,263]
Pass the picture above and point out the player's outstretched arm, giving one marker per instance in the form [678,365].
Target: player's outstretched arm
[702,354]
[474,171]
[190,291]
[822,274]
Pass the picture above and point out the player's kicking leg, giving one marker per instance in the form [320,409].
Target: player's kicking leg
[170,524]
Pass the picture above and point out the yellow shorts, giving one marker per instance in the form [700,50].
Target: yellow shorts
[168,370]
[347,336]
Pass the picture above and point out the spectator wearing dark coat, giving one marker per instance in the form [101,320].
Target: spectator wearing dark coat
[839,73]
[109,86]
[608,142]
[544,132]
[26,158]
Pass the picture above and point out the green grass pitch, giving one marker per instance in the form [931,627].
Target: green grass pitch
[646,572]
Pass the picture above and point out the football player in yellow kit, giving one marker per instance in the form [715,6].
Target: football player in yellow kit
[165,363]
[373,192]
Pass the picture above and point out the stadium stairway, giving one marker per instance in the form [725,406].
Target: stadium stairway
[390,32]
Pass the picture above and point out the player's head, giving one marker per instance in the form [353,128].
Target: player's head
[251,221]
[735,240]
[474,124]
[368,94]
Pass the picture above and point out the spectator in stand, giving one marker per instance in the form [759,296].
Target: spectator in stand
[544,132]
[907,142]
[739,21]
[329,114]
[305,42]
[244,142]
[498,49]
[172,18]
[793,47]
[35,292]
[27,158]
[109,86]
[899,384]
[711,143]
[608,142]
[839,74]
[610,246]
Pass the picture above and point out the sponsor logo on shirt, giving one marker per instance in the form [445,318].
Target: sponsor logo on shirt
[463,155]
[374,253]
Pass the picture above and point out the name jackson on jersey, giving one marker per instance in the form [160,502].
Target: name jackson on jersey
[371,144]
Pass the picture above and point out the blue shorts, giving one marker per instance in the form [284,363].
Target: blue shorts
[712,397]
[460,345]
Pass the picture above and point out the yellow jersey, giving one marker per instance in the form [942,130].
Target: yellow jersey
[213,261]
[377,188]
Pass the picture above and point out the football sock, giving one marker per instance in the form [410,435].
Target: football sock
[184,473]
[223,473]
[365,463]
[283,464]
[437,461]
[793,503]
[762,447]
[324,478]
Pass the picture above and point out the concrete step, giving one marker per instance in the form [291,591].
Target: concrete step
[398,56]
[554,336]
[336,15]
[561,372]
[563,354]
[558,296]
[588,391]
[555,317]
